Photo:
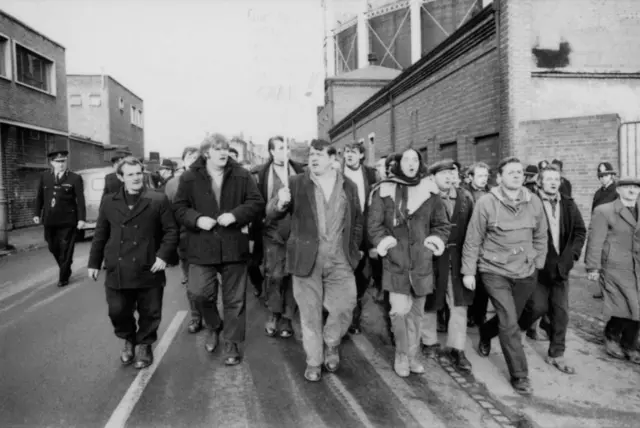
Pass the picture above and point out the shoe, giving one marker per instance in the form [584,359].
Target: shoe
[484,347]
[231,354]
[128,353]
[633,356]
[63,283]
[212,341]
[271,327]
[598,295]
[415,366]
[460,360]
[286,329]
[331,358]
[532,333]
[144,357]
[613,349]
[522,385]
[195,325]
[313,373]
[401,365]
[431,351]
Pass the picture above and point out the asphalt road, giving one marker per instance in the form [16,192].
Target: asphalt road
[59,367]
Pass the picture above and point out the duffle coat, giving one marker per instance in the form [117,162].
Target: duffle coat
[450,262]
[407,267]
[613,249]
[129,240]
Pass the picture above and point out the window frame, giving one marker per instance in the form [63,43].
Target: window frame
[93,97]
[75,96]
[136,116]
[5,43]
[51,75]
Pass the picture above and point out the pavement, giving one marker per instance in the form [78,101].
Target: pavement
[24,239]
[59,367]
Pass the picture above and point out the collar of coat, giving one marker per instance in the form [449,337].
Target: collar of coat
[424,190]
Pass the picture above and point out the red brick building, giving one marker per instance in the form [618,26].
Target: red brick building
[530,78]
[33,116]
[103,110]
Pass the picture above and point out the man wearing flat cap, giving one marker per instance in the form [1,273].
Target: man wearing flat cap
[531,178]
[60,208]
[165,173]
[565,185]
[112,183]
[449,288]
[611,259]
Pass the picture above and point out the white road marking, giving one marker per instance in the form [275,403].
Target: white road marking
[335,383]
[25,298]
[123,411]
[405,394]
[309,417]
[52,298]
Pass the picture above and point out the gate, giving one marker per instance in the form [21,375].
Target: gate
[629,148]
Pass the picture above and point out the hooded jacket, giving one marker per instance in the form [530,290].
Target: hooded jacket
[507,238]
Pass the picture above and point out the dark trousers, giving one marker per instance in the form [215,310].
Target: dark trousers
[61,241]
[509,297]
[279,286]
[202,279]
[123,303]
[553,299]
[362,275]
[478,309]
[624,331]
[210,292]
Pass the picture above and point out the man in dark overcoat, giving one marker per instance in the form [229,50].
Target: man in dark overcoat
[565,185]
[322,252]
[60,207]
[448,280]
[217,199]
[566,235]
[612,257]
[605,194]
[271,237]
[370,266]
[111,181]
[136,236]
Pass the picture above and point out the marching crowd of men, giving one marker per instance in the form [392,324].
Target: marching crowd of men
[437,243]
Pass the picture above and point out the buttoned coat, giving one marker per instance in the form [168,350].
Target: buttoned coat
[450,262]
[195,198]
[60,202]
[613,249]
[129,240]
[303,242]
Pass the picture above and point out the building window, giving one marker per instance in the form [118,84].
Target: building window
[34,70]
[95,100]
[136,116]
[5,57]
[121,103]
[75,100]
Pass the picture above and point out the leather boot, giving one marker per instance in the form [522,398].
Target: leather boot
[401,365]
[212,341]
[331,358]
[144,357]
[128,353]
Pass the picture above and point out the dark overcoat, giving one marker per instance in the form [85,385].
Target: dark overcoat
[195,198]
[303,242]
[604,195]
[407,267]
[61,202]
[450,262]
[129,240]
[613,249]
[112,184]
[572,236]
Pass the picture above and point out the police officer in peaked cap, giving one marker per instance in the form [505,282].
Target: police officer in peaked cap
[60,208]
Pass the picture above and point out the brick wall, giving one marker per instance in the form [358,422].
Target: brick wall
[84,155]
[580,142]
[121,130]
[23,104]
[88,120]
[454,105]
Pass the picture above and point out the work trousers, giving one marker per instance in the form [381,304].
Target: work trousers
[362,275]
[550,298]
[457,326]
[406,318]
[202,285]
[210,291]
[478,310]
[623,331]
[61,241]
[331,285]
[124,302]
[509,297]
[279,288]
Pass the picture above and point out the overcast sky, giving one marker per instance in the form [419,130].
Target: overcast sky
[200,65]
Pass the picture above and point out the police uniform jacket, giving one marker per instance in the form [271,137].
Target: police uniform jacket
[604,195]
[60,202]
[129,240]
